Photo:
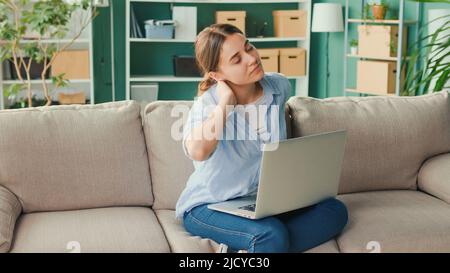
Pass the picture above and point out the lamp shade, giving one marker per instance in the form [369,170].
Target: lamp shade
[327,17]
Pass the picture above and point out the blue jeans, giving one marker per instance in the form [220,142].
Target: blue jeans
[294,231]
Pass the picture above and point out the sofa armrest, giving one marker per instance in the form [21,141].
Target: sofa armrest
[10,210]
[434,177]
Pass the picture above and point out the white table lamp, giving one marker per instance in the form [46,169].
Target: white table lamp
[327,18]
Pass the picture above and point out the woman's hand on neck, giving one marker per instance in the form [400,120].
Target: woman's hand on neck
[246,94]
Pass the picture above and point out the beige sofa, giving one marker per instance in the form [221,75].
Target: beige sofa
[97,178]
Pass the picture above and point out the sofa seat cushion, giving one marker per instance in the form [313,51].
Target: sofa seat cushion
[396,221]
[328,247]
[119,229]
[181,241]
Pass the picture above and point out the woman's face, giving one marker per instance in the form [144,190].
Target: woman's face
[239,61]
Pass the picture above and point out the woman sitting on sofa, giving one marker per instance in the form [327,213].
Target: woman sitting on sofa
[229,168]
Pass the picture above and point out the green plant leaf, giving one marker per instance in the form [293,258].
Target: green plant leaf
[433,49]
[441,81]
[431,1]
[59,80]
[12,91]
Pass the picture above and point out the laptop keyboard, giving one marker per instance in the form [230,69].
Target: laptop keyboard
[249,207]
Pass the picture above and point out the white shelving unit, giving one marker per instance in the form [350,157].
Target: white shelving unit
[222,1]
[271,39]
[75,85]
[170,78]
[302,83]
[401,23]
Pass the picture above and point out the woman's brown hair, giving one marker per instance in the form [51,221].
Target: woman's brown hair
[208,46]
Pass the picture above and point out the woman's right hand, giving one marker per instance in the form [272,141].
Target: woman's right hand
[204,138]
[226,94]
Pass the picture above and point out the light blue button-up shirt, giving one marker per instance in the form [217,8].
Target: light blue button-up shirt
[232,169]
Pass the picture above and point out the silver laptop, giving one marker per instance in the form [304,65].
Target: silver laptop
[300,172]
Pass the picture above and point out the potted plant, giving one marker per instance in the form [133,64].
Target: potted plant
[379,10]
[47,20]
[354,47]
[366,12]
[375,10]
[431,51]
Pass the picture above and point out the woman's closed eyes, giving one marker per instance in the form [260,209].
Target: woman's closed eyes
[249,47]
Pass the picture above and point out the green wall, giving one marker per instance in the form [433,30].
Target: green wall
[142,57]
[102,63]
[102,53]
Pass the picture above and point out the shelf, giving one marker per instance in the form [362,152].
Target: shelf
[386,22]
[56,41]
[141,76]
[169,78]
[221,1]
[373,58]
[400,52]
[164,79]
[253,40]
[368,93]
[47,81]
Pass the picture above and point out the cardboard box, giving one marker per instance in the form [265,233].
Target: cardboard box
[293,61]
[377,77]
[74,98]
[379,41]
[235,18]
[290,23]
[269,59]
[73,63]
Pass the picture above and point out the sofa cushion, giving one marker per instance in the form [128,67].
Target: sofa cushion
[388,138]
[434,177]
[10,210]
[120,229]
[328,247]
[75,156]
[395,221]
[169,167]
[179,239]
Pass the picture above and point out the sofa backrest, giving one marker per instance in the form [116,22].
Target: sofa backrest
[75,157]
[388,138]
[169,167]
